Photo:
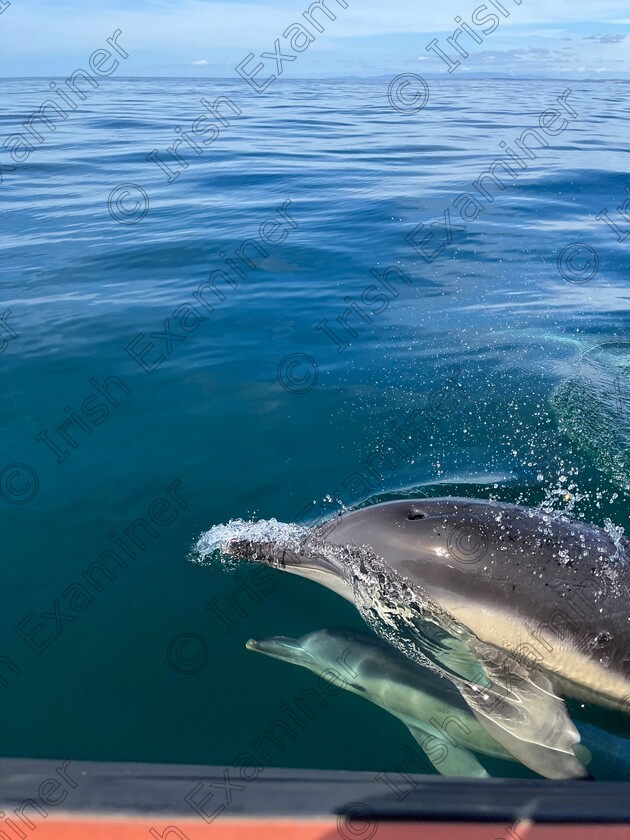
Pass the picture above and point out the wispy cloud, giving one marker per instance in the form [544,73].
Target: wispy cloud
[608,38]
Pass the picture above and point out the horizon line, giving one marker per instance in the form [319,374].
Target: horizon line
[433,77]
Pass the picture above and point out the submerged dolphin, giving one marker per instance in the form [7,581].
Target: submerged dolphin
[431,708]
[514,606]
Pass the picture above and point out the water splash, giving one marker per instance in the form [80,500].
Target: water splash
[216,544]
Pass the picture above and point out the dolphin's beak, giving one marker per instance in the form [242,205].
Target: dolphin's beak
[264,552]
[298,560]
[281,647]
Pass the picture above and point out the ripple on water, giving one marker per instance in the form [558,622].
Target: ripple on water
[593,408]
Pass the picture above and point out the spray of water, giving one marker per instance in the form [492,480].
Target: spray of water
[216,545]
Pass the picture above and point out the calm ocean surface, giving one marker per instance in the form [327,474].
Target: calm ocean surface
[536,368]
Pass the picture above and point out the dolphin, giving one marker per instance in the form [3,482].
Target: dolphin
[431,708]
[516,607]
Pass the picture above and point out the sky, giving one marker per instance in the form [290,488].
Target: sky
[537,38]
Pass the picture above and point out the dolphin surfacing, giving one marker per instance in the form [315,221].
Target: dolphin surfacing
[517,608]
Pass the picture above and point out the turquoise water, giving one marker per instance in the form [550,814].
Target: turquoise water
[150,663]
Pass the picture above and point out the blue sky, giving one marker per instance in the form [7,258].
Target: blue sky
[572,38]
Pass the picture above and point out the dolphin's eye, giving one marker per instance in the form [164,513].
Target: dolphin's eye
[415,514]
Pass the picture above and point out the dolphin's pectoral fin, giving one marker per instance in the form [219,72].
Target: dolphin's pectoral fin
[516,705]
[447,758]
[456,655]
[544,760]
[514,702]
[520,710]
[439,648]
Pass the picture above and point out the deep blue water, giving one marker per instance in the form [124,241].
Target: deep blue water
[490,324]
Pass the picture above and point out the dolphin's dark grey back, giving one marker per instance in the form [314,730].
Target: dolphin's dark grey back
[570,575]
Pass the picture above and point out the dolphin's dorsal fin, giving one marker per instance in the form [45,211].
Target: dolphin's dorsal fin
[448,759]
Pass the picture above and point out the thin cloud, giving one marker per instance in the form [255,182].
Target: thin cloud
[608,38]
